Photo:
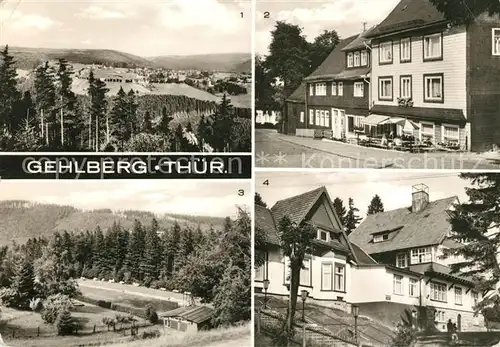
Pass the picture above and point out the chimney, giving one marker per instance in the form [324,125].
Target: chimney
[419,197]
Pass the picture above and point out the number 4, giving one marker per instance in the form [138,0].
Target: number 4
[266,182]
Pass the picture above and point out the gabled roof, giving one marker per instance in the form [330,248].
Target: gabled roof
[409,229]
[299,95]
[334,63]
[264,220]
[359,42]
[362,256]
[195,314]
[408,14]
[297,206]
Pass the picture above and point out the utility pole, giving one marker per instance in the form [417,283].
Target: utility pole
[364,26]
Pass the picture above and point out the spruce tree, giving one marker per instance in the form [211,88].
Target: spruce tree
[131,108]
[9,95]
[66,324]
[351,219]
[135,254]
[25,284]
[147,124]
[173,248]
[118,118]
[98,107]
[376,205]
[66,106]
[340,210]
[164,125]
[258,200]
[186,246]
[98,252]
[152,253]
[223,124]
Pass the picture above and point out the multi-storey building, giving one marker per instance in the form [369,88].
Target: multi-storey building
[442,76]
[396,254]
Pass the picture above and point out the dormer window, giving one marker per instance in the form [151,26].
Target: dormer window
[323,235]
[380,237]
[350,59]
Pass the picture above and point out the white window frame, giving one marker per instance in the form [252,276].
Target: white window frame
[443,137]
[383,49]
[305,272]
[421,133]
[402,260]
[260,273]
[402,89]
[428,98]
[327,285]
[405,44]
[417,253]
[475,298]
[302,116]
[359,92]
[380,238]
[311,117]
[495,41]
[364,58]
[427,56]
[357,59]
[320,231]
[341,275]
[458,296]
[350,59]
[311,89]
[380,89]
[317,117]
[397,284]
[322,118]
[327,119]
[334,88]
[439,292]
[340,87]
[320,89]
[413,288]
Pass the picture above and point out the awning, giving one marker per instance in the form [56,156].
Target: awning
[408,125]
[374,119]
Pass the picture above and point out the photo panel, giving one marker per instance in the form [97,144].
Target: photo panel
[372,258]
[125,76]
[388,84]
[125,263]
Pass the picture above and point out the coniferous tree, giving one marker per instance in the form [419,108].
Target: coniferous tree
[131,108]
[173,248]
[9,95]
[119,118]
[98,107]
[340,210]
[351,219]
[45,98]
[152,253]
[164,125]
[186,246]
[147,125]
[65,323]
[223,123]
[258,200]
[25,284]
[135,252]
[66,105]
[376,205]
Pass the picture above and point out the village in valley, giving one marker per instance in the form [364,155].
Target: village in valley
[417,267]
[114,272]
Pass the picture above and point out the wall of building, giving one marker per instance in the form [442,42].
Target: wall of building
[453,66]
[355,105]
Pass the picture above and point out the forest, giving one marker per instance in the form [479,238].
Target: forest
[47,115]
[214,265]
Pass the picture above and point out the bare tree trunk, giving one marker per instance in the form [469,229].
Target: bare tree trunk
[41,115]
[97,133]
[292,300]
[90,130]
[47,133]
[107,129]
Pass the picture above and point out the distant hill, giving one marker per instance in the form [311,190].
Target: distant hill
[28,58]
[229,62]
[22,220]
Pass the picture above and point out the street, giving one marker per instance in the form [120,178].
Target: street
[277,150]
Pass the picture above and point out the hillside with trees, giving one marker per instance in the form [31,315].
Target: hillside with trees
[49,116]
[22,220]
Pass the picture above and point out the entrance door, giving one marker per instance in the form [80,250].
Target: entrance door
[336,124]
[343,129]
[459,322]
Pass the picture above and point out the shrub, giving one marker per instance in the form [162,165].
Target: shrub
[151,314]
[66,324]
[53,306]
[9,297]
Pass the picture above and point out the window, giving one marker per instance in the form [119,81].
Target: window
[427,131]
[475,298]
[398,284]
[317,117]
[380,237]
[451,133]
[350,60]
[433,47]
[334,88]
[385,53]
[357,59]
[385,88]
[421,255]
[321,89]
[496,41]
[413,288]
[322,235]
[340,88]
[322,118]
[458,296]
[259,273]
[405,87]
[364,58]
[326,279]
[311,116]
[305,273]
[401,260]
[433,85]
[359,89]
[440,317]
[311,89]
[302,117]
[438,291]
[327,118]
[340,277]
[405,50]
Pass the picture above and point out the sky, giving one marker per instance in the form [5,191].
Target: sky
[344,16]
[393,187]
[141,27]
[194,197]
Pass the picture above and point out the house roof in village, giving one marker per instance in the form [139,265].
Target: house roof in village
[363,257]
[333,64]
[359,42]
[297,207]
[408,14]
[436,270]
[195,314]
[299,95]
[264,220]
[421,113]
[416,229]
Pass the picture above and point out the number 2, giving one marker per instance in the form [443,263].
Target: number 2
[266,14]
